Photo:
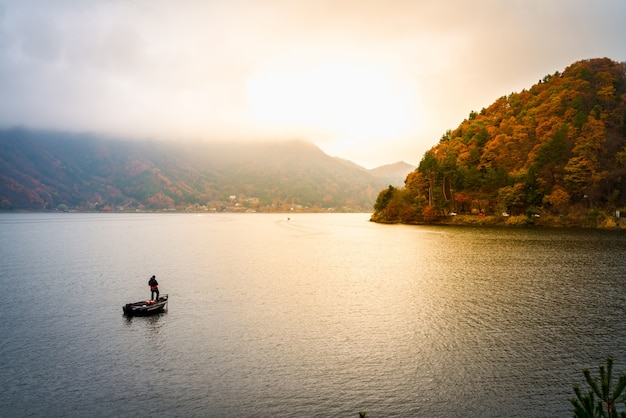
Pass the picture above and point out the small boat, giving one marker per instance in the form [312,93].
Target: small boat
[146,307]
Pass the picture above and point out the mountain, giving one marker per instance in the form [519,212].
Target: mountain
[395,173]
[553,154]
[51,170]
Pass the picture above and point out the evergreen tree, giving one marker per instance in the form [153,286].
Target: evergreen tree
[605,406]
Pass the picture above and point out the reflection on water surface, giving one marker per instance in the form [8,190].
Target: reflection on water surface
[321,314]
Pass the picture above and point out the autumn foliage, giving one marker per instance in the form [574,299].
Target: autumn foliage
[557,149]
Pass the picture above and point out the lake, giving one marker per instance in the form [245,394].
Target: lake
[291,315]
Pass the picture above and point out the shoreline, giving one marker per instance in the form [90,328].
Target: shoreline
[545,221]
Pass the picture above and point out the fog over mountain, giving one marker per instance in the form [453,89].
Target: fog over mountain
[51,170]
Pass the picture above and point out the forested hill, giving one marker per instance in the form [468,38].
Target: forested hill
[552,154]
[53,170]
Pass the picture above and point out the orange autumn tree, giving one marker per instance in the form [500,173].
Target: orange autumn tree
[559,146]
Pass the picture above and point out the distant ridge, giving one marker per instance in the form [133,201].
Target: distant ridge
[42,170]
[395,173]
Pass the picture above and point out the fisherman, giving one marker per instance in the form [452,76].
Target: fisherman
[154,288]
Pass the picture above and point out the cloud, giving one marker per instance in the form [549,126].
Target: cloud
[189,69]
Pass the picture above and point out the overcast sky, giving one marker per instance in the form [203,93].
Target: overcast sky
[374,82]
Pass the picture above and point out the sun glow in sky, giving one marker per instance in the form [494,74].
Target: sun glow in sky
[370,81]
[340,99]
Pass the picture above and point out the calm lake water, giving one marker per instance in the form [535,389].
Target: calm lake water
[321,315]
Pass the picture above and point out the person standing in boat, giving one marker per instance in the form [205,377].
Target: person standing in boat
[154,288]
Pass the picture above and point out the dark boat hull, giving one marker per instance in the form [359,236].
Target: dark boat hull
[146,307]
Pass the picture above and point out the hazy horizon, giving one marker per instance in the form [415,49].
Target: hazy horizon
[372,82]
